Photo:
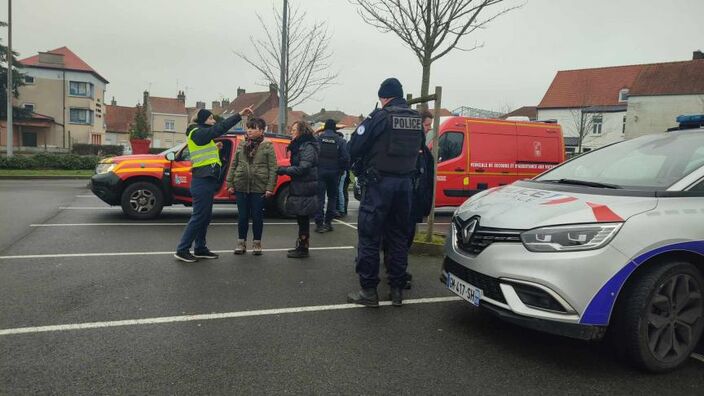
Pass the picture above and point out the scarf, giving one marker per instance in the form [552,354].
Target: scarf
[296,143]
[250,147]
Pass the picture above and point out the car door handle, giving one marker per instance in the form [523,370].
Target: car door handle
[480,170]
[459,169]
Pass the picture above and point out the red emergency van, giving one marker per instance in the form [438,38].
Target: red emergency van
[475,154]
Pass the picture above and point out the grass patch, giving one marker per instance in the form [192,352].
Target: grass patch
[437,239]
[46,172]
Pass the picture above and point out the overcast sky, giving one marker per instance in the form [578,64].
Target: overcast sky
[167,45]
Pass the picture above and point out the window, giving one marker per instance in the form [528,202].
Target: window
[96,139]
[169,125]
[450,145]
[623,95]
[81,116]
[77,88]
[597,122]
[29,139]
[623,127]
[28,79]
[28,106]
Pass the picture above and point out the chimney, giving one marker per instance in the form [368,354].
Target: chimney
[51,59]
[289,109]
[181,97]
[698,54]
[113,102]
[215,104]
[240,91]
[200,105]
[273,88]
[225,102]
[146,99]
[322,110]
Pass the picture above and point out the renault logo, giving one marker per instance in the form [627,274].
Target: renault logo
[468,230]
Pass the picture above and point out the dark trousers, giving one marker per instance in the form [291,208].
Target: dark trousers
[384,213]
[250,205]
[202,191]
[303,226]
[328,184]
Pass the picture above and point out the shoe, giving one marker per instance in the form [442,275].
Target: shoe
[206,254]
[241,247]
[320,228]
[185,256]
[396,296]
[301,250]
[256,248]
[328,227]
[366,297]
[409,283]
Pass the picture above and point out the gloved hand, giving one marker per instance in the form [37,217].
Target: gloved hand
[281,170]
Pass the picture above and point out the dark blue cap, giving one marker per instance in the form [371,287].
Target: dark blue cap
[391,88]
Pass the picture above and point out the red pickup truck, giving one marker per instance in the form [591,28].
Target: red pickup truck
[144,184]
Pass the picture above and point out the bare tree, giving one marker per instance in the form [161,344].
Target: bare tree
[430,28]
[584,121]
[307,60]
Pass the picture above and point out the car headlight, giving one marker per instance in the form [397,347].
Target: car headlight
[104,168]
[570,238]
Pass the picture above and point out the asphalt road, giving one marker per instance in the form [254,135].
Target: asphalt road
[124,317]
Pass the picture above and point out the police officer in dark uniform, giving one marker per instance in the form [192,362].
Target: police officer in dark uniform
[332,161]
[385,148]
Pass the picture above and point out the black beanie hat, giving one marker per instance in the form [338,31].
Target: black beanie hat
[203,116]
[330,124]
[391,88]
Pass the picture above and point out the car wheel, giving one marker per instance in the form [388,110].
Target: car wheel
[281,199]
[142,200]
[660,316]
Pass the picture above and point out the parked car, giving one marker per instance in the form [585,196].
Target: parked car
[144,184]
[610,241]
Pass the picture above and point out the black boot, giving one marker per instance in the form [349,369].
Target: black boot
[396,296]
[409,281]
[366,297]
[301,250]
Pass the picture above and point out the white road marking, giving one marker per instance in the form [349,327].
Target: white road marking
[225,315]
[345,223]
[40,256]
[137,224]
[86,196]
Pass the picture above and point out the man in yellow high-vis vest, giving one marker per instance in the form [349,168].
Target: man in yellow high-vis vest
[205,180]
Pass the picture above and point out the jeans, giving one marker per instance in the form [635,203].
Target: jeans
[250,205]
[327,184]
[341,196]
[202,191]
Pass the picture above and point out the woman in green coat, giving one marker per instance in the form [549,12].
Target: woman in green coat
[252,177]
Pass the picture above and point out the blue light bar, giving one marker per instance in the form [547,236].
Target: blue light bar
[691,119]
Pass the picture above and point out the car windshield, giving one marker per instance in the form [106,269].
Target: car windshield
[653,162]
[173,149]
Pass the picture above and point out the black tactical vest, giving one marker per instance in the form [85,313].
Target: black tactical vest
[396,149]
[329,157]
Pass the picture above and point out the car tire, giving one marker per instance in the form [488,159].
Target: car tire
[142,200]
[281,199]
[659,317]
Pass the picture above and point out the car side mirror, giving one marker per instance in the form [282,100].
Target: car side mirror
[170,156]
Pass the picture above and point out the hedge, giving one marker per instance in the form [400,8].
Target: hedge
[50,161]
[157,150]
[97,149]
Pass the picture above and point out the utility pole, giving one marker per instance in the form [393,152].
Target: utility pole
[282,77]
[10,137]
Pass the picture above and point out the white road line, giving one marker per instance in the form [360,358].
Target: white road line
[86,196]
[225,315]
[39,256]
[345,223]
[137,224]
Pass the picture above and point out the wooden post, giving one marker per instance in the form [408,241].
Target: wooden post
[436,127]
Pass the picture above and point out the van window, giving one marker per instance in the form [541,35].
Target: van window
[450,145]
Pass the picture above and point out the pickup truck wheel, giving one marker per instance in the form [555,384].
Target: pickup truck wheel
[281,199]
[660,316]
[142,200]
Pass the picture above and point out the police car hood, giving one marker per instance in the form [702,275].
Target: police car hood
[529,205]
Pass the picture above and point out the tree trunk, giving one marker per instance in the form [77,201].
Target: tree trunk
[425,84]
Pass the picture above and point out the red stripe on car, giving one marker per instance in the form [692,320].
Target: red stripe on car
[603,213]
[560,201]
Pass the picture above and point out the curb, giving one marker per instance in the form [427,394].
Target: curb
[19,177]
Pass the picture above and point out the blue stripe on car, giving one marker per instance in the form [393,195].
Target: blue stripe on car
[599,309]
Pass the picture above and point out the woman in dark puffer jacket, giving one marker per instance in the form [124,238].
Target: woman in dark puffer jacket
[303,189]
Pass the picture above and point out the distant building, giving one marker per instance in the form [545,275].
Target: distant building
[271,118]
[61,87]
[167,118]
[261,102]
[118,120]
[466,111]
[349,122]
[531,112]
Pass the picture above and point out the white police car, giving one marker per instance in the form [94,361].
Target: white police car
[611,240]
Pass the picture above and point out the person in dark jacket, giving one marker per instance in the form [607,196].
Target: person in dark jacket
[332,162]
[303,189]
[205,180]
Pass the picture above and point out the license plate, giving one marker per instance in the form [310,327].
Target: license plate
[464,289]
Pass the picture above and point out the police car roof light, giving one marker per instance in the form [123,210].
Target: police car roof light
[689,121]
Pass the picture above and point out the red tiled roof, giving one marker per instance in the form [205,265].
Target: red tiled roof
[589,87]
[271,118]
[443,112]
[526,111]
[119,118]
[674,78]
[71,62]
[254,99]
[350,121]
[167,105]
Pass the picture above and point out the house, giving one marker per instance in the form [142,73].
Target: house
[350,122]
[662,92]
[271,118]
[530,112]
[62,87]
[168,119]
[31,133]
[261,102]
[118,120]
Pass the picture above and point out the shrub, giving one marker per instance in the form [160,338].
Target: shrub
[50,161]
[97,149]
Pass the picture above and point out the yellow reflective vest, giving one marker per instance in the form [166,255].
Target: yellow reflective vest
[203,155]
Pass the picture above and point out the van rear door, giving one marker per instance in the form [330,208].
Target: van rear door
[492,154]
[539,148]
